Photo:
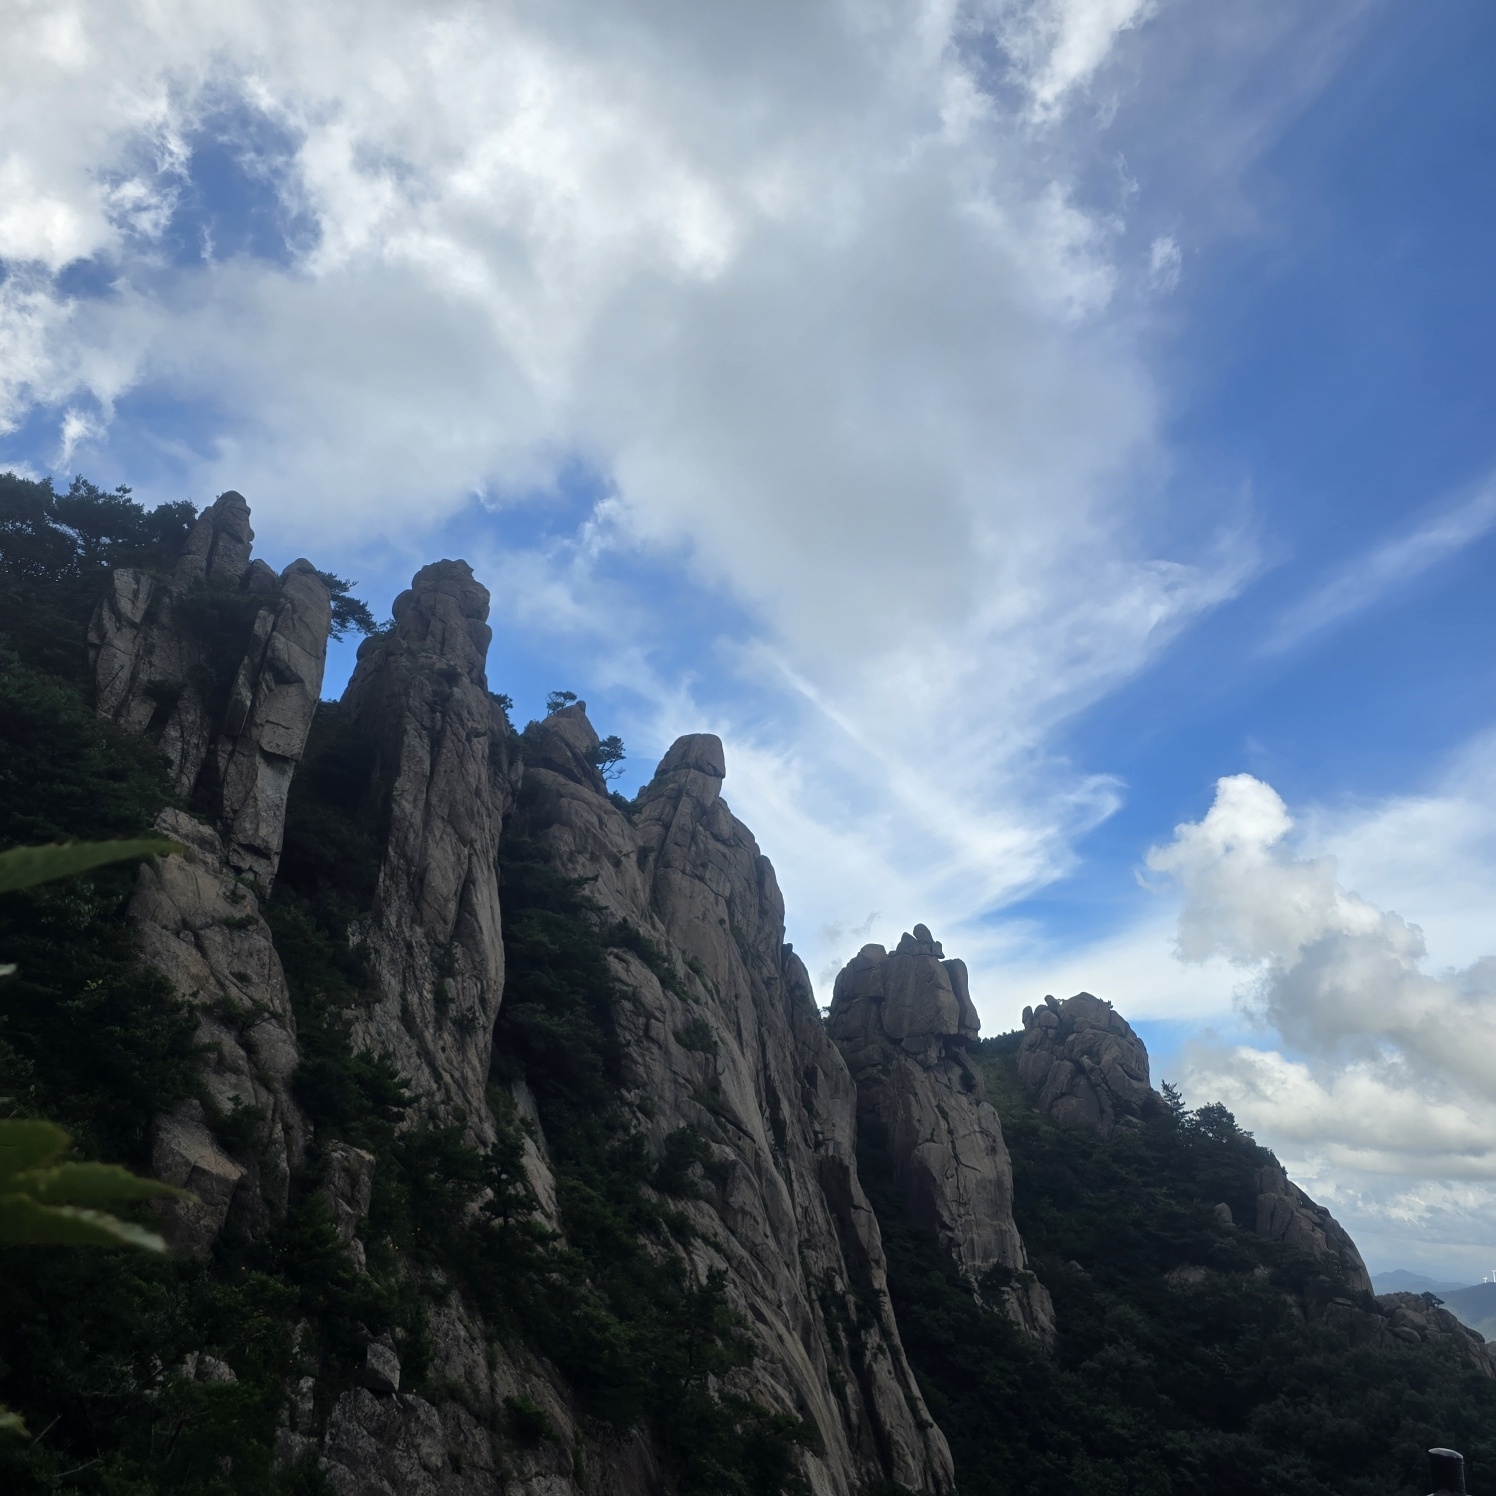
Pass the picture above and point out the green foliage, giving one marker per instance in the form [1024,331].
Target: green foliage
[88,1036]
[1219,1387]
[558,699]
[349,614]
[44,1198]
[55,553]
[607,756]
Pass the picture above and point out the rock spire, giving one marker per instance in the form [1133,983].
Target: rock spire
[903,1022]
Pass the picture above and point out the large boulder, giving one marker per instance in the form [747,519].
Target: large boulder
[1084,1063]
[903,1021]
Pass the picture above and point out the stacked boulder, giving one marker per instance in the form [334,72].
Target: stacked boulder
[904,1022]
[1084,1063]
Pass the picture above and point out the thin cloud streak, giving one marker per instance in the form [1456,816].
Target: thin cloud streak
[1380,572]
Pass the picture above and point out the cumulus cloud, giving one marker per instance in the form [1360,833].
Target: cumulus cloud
[1385,1088]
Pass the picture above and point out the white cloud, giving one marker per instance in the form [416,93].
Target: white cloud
[1386,1095]
[811,288]
[1371,577]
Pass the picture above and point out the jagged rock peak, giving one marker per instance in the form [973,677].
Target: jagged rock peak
[445,775]
[1084,1062]
[904,1022]
[723,1037]
[445,610]
[698,753]
[158,671]
[1285,1213]
[219,544]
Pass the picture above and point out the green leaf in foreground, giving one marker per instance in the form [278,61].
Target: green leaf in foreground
[42,1200]
[22,867]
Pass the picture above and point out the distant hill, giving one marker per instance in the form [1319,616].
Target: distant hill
[1400,1280]
[1475,1307]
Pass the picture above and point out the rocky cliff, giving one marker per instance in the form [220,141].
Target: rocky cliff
[444,769]
[1085,1065]
[462,1234]
[220,663]
[726,1040]
[903,1022]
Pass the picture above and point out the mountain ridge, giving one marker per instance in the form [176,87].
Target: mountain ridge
[525,1161]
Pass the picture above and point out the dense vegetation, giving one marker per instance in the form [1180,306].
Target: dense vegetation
[1216,1386]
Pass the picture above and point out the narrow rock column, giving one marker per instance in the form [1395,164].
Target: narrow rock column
[443,778]
[903,1022]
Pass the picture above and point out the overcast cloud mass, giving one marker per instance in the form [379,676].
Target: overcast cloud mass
[798,372]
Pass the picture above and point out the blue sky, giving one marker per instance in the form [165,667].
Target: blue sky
[1001,421]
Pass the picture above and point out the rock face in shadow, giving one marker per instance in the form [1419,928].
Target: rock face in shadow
[220,662]
[443,778]
[1084,1063]
[903,1022]
[726,1038]
[1414,1319]
[1285,1213]
[1086,1066]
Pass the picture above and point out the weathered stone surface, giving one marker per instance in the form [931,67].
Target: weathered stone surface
[1084,1062]
[202,928]
[903,1022]
[442,779]
[186,1154]
[732,1045]
[348,1188]
[1285,1213]
[151,661]
[381,1369]
[1416,1320]
[269,715]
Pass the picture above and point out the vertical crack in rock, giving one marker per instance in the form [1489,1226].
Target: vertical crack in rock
[442,782]
[903,1022]
[722,1035]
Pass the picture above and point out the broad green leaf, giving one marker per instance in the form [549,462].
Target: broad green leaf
[90,1184]
[21,867]
[28,1145]
[24,1221]
[11,1423]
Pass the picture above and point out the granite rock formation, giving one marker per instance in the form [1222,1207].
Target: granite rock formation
[731,1043]
[1416,1320]
[443,778]
[1285,1213]
[1084,1063]
[221,662]
[903,1022]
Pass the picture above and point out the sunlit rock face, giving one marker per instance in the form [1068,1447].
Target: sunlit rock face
[1084,1063]
[904,1022]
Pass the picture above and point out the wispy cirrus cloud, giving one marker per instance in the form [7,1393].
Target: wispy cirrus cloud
[1381,572]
